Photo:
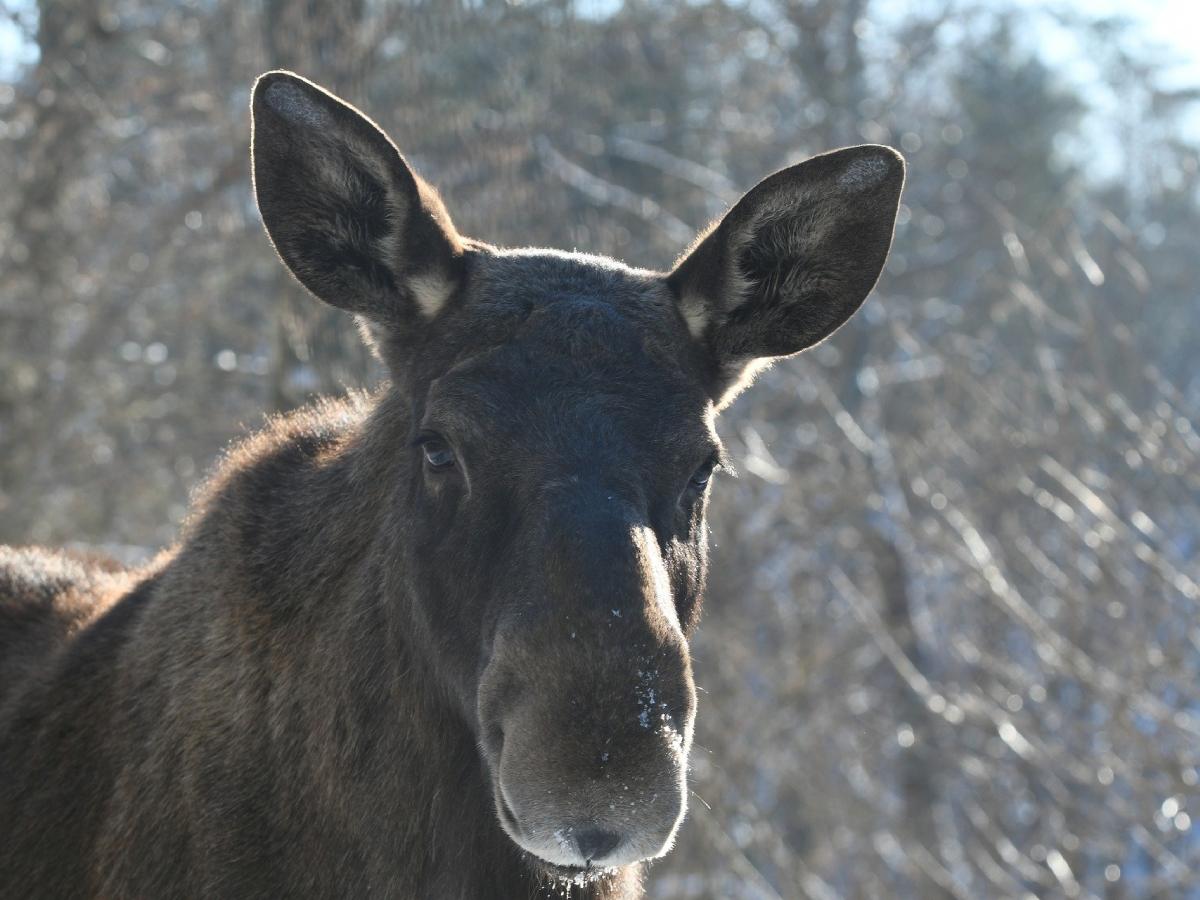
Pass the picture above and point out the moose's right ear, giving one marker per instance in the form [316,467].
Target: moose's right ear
[347,215]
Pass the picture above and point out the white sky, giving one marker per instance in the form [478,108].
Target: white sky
[1172,24]
[1170,27]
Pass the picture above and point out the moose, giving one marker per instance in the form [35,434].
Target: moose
[430,641]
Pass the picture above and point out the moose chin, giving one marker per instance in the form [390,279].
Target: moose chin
[429,641]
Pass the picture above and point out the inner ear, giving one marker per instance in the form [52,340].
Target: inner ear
[795,289]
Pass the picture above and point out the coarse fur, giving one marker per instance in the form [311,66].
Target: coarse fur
[432,641]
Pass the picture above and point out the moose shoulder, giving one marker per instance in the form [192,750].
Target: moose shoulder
[430,642]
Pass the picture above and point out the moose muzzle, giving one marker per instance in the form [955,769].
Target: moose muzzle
[587,703]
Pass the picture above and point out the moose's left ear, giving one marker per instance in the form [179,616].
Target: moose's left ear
[791,262]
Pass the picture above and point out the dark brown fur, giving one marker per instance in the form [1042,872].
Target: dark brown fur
[366,673]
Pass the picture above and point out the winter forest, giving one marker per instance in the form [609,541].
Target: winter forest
[951,644]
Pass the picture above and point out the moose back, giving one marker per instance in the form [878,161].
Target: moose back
[430,642]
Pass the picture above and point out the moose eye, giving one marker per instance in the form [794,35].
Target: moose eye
[437,452]
[702,475]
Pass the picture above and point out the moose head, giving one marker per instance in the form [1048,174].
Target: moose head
[548,550]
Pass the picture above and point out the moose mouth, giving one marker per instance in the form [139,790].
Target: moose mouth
[578,875]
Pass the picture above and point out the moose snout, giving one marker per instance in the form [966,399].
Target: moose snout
[586,704]
[579,798]
[588,761]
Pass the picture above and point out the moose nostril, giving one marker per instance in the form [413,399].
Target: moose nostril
[595,843]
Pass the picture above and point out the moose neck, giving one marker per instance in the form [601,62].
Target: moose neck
[371,741]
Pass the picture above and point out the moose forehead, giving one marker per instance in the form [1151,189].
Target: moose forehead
[547,344]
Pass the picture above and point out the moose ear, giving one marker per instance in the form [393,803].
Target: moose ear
[791,262]
[347,215]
